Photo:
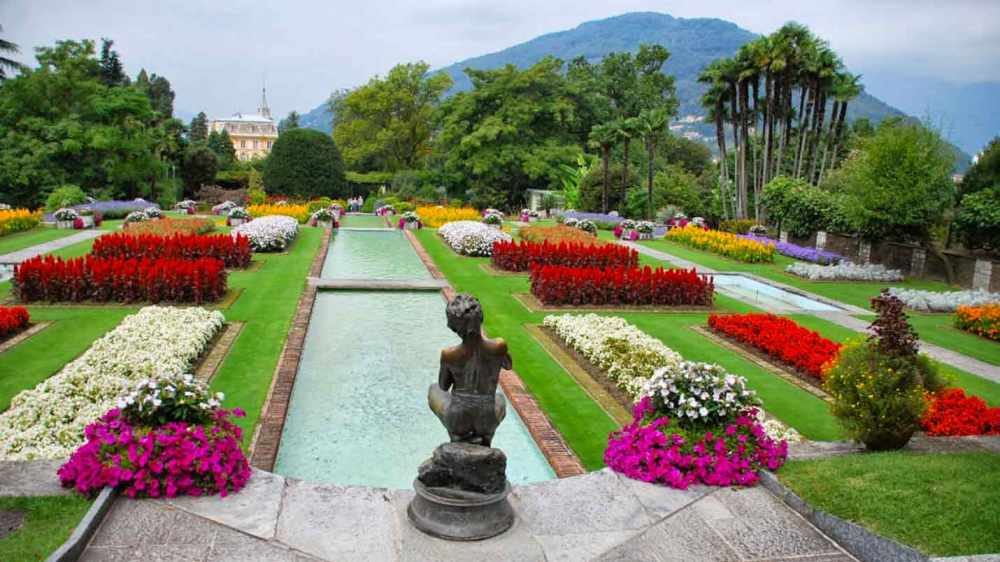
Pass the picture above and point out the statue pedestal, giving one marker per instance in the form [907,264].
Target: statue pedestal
[460,516]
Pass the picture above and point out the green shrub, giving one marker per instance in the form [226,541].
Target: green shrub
[320,203]
[978,219]
[305,163]
[737,226]
[255,189]
[65,196]
[369,205]
[802,209]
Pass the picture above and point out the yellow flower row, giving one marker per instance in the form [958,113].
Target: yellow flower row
[437,216]
[297,212]
[16,220]
[723,243]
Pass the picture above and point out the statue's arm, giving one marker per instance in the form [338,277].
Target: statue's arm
[445,380]
[505,361]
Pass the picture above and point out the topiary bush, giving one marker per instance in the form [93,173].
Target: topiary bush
[65,196]
[305,163]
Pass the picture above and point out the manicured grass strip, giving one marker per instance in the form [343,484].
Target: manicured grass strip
[939,329]
[942,504]
[49,521]
[583,424]
[267,306]
[38,235]
[44,354]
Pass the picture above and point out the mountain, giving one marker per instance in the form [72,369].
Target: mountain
[693,44]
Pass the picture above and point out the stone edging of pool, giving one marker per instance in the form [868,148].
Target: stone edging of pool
[267,436]
[550,442]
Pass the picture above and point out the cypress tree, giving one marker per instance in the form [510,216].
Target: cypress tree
[198,131]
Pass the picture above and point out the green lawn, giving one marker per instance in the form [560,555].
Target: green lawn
[942,504]
[581,422]
[49,521]
[38,235]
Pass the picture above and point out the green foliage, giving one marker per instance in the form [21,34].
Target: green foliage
[112,71]
[65,196]
[737,226]
[305,163]
[801,209]
[199,167]
[290,122]
[695,157]
[387,123]
[198,131]
[899,184]
[255,188]
[222,145]
[415,184]
[592,184]
[985,173]
[978,219]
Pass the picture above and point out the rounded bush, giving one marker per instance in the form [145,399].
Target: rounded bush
[305,163]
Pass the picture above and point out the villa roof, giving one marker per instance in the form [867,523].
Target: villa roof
[247,118]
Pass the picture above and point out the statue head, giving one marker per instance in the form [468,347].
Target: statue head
[465,316]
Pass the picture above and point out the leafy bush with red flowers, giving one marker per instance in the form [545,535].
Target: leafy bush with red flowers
[13,319]
[48,278]
[234,251]
[952,412]
[780,338]
[521,256]
[562,285]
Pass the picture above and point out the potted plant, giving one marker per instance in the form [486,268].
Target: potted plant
[152,213]
[186,206]
[624,229]
[587,225]
[65,218]
[237,216]
[645,230]
[324,218]
[410,221]
[494,220]
[337,210]
[223,208]
[134,217]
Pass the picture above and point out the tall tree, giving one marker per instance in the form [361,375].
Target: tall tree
[222,145]
[198,130]
[161,96]
[290,122]
[8,64]
[652,125]
[112,71]
[603,136]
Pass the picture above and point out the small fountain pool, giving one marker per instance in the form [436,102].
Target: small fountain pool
[767,296]
[372,254]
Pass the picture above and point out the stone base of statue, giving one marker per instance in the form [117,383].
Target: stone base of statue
[461,493]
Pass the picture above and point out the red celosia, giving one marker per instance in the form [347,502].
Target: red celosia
[952,412]
[174,459]
[235,251]
[780,338]
[521,256]
[13,319]
[55,279]
[559,285]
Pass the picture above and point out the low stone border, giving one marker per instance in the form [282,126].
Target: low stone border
[860,542]
[532,303]
[267,436]
[557,452]
[73,548]
[761,360]
[583,372]
[20,337]
[218,351]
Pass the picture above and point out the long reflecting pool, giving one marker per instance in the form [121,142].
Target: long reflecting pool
[767,296]
[372,254]
[358,412]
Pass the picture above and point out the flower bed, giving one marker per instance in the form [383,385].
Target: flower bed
[437,216]
[626,354]
[270,233]
[723,243]
[298,212]
[780,338]
[18,220]
[234,251]
[169,226]
[795,251]
[601,220]
[556,234]
[560,285]
[948,301]
[48,422]
[90,278]
[471,238]
[980,320]
[952,412]
[115,209]
[521,256]
[13,319]
[223,208]
[844,271]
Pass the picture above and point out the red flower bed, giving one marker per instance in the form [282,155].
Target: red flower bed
[520,256]
[558,285]
[234,251]
[780,338]
[120,280]
[952,412]
[13,319]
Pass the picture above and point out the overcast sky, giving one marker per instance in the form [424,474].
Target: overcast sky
[216,53]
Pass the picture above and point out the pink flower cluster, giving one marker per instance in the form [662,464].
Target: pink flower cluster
[173,459]
[645,450]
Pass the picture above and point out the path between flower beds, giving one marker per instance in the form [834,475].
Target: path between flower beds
[597,516]
[39,249]
[947,356]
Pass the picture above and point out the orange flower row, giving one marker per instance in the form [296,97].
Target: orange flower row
[980,320]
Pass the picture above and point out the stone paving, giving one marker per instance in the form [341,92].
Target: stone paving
[39,249]
[598,516]
[955,359]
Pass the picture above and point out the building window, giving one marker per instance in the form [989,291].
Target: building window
[243,144]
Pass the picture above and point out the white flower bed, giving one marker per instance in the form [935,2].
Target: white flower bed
[699,393]
[777,430]
[472,238]
[844,271]
[628,355]
[47,422]
[272,233]
[930,301]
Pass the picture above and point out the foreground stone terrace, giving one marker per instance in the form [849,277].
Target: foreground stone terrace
[598,516]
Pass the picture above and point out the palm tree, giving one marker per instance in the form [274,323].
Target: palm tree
[846,87]
[7,64]
[603,136]
[650,125]
[714,101]
[626,129]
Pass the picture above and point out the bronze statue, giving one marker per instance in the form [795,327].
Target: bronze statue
[472,410]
